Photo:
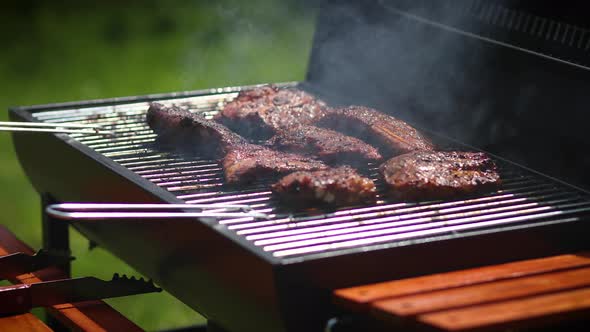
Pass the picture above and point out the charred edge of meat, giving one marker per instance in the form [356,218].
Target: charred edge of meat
[438,175]
[335,187]
[248,163]
[329,145]
[251,126]
[257,93]
[179,128]
[164,120]
[242,114]
[261,112]
[390,135]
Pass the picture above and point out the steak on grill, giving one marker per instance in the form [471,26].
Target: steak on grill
[262,112]
[241,160]
[245,163]
[336,186]
[191,131]
[330,146]
[390,135]
[428,174]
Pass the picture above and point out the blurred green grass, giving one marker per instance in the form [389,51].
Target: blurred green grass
[72,51]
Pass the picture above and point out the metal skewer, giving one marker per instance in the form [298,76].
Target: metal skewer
[99,211]
[53,128]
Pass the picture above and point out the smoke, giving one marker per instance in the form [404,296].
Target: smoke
[373,53]
[387,55]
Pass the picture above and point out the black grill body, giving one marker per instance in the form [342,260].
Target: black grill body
[236,270]
[277,274]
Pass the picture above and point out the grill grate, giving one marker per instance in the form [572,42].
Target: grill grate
[524,199]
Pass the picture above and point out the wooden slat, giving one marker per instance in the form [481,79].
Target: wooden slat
[83,316]
[533,311]
[359,298]
[512,295]
[25,322]
[484,293]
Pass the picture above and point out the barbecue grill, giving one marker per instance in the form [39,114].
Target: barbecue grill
[276,274]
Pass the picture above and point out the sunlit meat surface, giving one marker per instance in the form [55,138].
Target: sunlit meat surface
[262,112]
[192,132]
[328,145]
[242,161]
[336,186]
[246,163]
[390,135]
[431,175]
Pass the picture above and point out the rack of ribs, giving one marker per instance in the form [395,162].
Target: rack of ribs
[390,135]
[336,186]
[328,145]
[242,161]
[433,175]
[191,132]
[262,112]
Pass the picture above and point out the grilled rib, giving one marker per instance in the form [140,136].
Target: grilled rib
[262,112]
[330,146]
[245,163]
[336,186]
[426,174]
[191,131]
[241,160]
[390,135]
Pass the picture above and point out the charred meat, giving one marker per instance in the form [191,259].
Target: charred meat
[390,135]
[262,112]
[246,163]
[242,161]
[427,174]
[191,131]
[330,146]
[336,186]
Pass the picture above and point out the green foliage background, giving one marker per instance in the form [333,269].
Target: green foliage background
[76,50]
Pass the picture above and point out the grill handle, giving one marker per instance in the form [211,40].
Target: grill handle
[37,127]
[101,211]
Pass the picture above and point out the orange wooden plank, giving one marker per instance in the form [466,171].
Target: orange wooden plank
[358,298]
[82,316]
[24,322]
[533,311]
[484,293]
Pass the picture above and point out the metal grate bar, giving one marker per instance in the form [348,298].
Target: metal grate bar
[411,235]
[401,213]
[390,225]
[537,26]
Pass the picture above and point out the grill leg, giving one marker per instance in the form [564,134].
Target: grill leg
[56,234]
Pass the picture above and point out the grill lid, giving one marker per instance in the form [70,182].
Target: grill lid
[500,75]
